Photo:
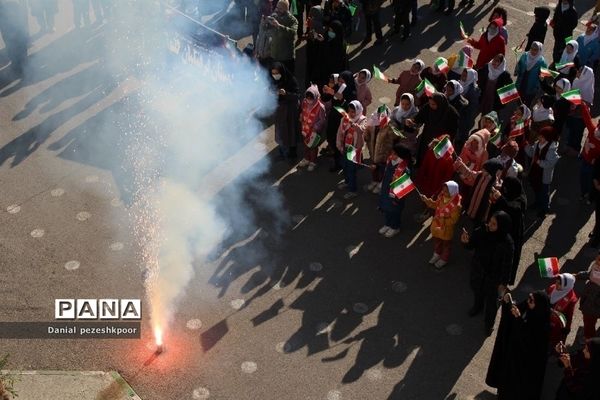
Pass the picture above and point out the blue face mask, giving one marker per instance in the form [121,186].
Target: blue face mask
[331,35]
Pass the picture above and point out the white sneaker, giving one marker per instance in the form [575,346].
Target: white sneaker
[384,229]
[350,195]
[391,233]
[311,166]
[440,264]
[434,258]
[303,163]
[377,188]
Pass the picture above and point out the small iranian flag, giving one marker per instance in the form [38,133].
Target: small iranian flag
[568,39]
[464,61]
[443,147]
[313,140]
[442,64]
[352,9]
[548,73]
[508,93]
[425,87]
[402,186]
[463,33]
[548,267]
[378,74]
[340,110]
[352,154]
[574,96]
[497,138]
[384,116]
[568,64]
[518,130]
[561,317]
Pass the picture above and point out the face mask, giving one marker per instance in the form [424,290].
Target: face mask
[276,76]
[331,35]
[493,31]
[564,7]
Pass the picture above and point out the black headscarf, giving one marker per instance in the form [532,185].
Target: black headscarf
[492,166]
[504,225]
[540,314]
[335,56]
[350,91]
[287,82]
[442,102]
[512,190]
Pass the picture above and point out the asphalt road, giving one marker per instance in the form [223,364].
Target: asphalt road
[308,303]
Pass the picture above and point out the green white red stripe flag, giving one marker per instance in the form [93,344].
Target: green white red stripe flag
[518,130]
[340,110]
[402,186]
[442,64]
[568,64]
[463,60]
[497,138]
[443,147]
[548,267]
[378,74]
[548,73]
[425,87]
[508,93]
[574,96]
[352,154]
[313,140]
[463,33]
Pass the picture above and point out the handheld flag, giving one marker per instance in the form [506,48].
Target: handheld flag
[464,61]
[548,73]
[574,96]
[548,267]
[425,87]
[442,65]
[313,140]
[340,110]
[402,186]
[384,116]
[463,33]
[352,8]
[508,93]
[518,130]
[497,138]
[443,147]
[352,154]
[378,74]
[568,64]
[568,39]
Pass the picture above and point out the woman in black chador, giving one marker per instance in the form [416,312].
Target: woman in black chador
[518,362]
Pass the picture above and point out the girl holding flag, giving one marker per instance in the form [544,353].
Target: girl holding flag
[492,77]
[349,143]
[447,206]
[312,124]
[585,82]
[569,62]
[527,72]
[562,299]
[395,186]
[590,298]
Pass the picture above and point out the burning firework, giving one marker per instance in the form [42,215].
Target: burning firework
[158,338]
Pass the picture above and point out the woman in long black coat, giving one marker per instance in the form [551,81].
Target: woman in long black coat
[490,266]
[287,114]
[512,200]
[518,362]
[438,117]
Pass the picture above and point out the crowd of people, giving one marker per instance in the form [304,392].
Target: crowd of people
[468,134]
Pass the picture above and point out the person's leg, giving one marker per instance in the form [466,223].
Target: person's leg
[446,246]
[589,326]
[415,11]
[405,23]
[437,246]
[545,199]
[585,178]
[491,308]
[369,26]
[377,26]
[477,302]
[351,176]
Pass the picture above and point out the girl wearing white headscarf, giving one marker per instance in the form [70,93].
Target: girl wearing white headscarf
[575,124]
[351,133]
[527,72]
[569,54]
[447,206]
[408,80]
[400,114]
[363,93]
[563,300]
[585,82]
[492,77]
[589,46]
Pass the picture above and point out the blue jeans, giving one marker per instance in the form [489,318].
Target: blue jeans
[542,197]
[585,177]
[350,174]
[392,218]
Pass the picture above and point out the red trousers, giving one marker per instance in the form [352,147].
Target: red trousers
[589,326]
[442,248]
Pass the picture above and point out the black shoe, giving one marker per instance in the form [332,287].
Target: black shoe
[378,42]
[474,311]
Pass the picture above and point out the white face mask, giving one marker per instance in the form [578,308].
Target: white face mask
[276,76]
[492,30]
[564,6]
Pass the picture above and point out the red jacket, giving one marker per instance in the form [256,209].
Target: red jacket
[487,50]
[591,148]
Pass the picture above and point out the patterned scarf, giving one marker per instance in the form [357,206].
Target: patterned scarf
[308,117]
[444,208]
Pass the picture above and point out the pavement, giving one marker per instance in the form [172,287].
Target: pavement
[309,302]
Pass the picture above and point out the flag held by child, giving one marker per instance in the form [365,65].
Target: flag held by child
[548,267]
[313,140]
[443,147]
[574,96]
[548,73]
[352,154]
[463,33]
[378,74]
[518,130]
[568,64]
[442,65]
[508,93]
[402,186]
[425,87]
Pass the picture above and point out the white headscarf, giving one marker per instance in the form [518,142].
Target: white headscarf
[399,114]
[467,50]
[458,89]
[452,188]
[526,112]
[367,72]
[585,83]
[533,60]
[564,84]
[588,38]
[472,77]
[566,57]
[541,113]
[359,110]
[567,283]
[494,73]
[421,65]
